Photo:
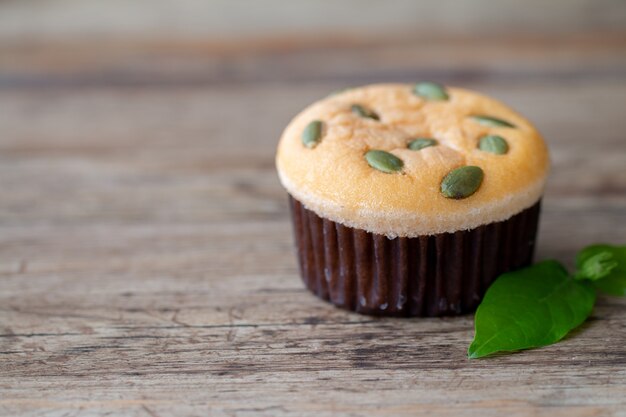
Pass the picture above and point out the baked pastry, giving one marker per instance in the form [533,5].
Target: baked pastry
[411,199]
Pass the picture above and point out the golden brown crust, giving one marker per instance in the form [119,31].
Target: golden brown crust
[334,179]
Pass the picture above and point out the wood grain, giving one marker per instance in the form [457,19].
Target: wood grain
[36,20]
[146,257]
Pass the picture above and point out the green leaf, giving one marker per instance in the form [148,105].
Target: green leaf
[528,308]
[614,282]
[597,266]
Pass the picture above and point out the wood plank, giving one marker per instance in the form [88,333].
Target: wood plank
[337,59]
[189,19]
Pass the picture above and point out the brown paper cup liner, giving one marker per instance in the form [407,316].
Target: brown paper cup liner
[435,275]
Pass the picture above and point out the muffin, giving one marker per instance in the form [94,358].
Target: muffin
[409,200]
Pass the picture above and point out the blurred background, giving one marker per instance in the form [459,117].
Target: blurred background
[222,42]
[152,112]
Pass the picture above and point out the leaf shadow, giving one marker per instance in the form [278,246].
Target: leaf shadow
[580,329]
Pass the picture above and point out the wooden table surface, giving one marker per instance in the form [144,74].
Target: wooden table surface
[146,259]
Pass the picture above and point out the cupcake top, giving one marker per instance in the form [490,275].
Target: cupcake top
[412,160]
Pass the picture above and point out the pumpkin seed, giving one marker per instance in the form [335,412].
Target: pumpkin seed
[312,133]
[364,112]
[491,121]
[339,91]
[462,182]
[421,143]
[384,161]
[494,144]
[431,91]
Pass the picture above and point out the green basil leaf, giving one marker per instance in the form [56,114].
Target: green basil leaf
[528,308]
[597,266]
[614,282]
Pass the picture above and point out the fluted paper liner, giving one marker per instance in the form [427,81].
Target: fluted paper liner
[436,275]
